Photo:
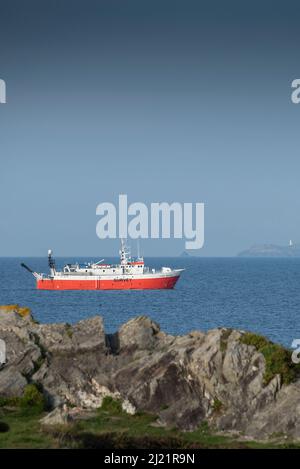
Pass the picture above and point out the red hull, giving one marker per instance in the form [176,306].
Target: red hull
[122,284]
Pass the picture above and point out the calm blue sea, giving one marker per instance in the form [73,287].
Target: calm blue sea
[261,295]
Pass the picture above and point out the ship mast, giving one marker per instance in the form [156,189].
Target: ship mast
[51,263]
[123,253]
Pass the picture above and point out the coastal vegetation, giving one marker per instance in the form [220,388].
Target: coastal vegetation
[277,358]
[108,427]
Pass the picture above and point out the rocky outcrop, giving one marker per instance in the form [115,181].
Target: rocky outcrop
[184,380]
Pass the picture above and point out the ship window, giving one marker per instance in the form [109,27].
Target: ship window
[103,270]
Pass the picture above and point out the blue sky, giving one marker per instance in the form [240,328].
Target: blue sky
[164,101]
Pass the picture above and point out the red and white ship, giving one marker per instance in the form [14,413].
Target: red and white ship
[130,274]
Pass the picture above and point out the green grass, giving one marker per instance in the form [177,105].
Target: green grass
[278,359]
[217,405]
[110,428]
[24,430]
[20,420]
[113,428]
[32,399]
[113,406]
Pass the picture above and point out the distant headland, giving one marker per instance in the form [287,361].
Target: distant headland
[272,250]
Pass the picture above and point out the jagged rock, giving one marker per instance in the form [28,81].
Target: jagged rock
[58,416]
[83,336]
[139,333]
[184,380]
[279,419]
[22,352]
[12,382]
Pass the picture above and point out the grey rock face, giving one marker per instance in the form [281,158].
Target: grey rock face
[82,337]
[12,382]
[184,380]
[58,416]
